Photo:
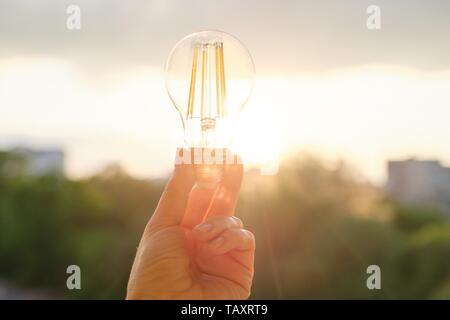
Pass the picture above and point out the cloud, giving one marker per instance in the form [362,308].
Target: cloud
[283,36]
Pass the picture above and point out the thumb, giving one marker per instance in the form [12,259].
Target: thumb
[173,201]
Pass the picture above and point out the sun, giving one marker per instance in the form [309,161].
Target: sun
[257,138]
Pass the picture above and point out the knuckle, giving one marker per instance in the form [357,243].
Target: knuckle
[237,221]
[226,221]
[215,220]
[249,235]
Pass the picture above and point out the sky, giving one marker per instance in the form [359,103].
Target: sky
[324,83]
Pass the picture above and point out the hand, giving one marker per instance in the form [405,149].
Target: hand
[193,247]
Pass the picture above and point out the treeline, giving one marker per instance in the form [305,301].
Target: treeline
[317,231]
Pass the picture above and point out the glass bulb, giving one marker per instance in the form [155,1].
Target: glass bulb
[209,78]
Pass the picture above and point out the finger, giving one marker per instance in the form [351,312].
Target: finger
[172,204]
[232,239]
[220,200]
[214,226]
[226,195]
[233,172]
[197,206]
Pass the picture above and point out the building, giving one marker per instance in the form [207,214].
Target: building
[420,183]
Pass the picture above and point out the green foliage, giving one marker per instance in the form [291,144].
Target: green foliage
[317,231]
[48,223]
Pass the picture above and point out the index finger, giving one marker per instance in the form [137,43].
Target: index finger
[226,195]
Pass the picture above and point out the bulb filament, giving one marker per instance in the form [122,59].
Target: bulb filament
[208,62]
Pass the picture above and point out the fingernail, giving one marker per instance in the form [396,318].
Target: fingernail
[216,243]
[204,227]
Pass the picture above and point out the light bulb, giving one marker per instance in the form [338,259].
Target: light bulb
[209,78]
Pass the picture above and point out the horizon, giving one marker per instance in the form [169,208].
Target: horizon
[325,84]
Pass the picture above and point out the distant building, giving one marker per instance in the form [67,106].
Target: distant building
[422,183]
[41,162]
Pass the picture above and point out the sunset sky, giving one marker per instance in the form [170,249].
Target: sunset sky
[324,82]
